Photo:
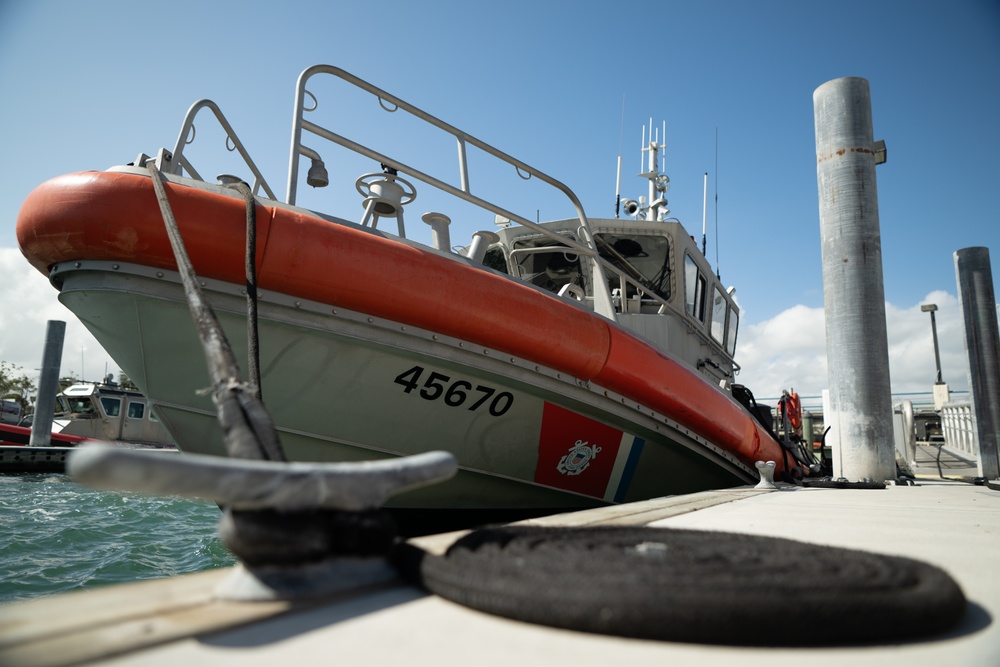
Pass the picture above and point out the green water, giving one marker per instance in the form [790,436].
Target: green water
[57,536]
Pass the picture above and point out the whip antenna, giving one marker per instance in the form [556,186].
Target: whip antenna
[704,213]
[618,179]
[717,273]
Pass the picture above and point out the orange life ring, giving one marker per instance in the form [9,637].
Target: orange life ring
[792,408]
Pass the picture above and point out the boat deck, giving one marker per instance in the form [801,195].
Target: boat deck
[948,523]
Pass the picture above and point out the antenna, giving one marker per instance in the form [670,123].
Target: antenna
[618,180]
[704,212]
[642,158]
[717,273]
[618,187]
[663,146]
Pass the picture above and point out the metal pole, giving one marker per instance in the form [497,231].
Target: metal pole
[930,308]
[937,353]
[982,343]
[857,347]
[48,385]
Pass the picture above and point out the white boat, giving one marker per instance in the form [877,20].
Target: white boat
[566,364]
[85,413]
[108,412]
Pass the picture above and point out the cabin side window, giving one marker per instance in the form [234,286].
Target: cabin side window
[719,309]
[645,260]
[112,406]
[734,320]
[136,409]
[694,290]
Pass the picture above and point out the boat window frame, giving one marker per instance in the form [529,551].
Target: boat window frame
[107,401]
[732,329]
[720,306]
[694,308]
[141,404]
[646,285]
[490,259]
[514,254]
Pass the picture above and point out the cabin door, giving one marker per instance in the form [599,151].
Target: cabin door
[133,426]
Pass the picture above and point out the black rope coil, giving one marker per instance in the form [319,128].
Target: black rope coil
[691,586]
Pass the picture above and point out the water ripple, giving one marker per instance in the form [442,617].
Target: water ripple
[58,536]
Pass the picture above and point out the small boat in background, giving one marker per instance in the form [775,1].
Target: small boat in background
[108,412]
[85,412]
[565,364]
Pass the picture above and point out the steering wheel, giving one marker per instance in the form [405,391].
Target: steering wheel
[364,186]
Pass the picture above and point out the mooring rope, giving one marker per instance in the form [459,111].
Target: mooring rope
[253,346]
[248,430]
[689,585]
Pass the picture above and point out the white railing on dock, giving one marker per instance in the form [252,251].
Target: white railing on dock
[958,428]
[904,435]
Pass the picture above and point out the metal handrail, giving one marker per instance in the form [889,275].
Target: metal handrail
[602,297]
[179,161]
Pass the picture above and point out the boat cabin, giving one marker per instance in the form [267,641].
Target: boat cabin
[661,286]
[108,412]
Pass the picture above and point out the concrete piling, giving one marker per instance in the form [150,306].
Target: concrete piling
[982,343]
[860,405]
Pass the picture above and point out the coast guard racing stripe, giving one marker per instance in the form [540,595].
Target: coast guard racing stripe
[580,454]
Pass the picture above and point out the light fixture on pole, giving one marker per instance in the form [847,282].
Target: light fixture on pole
[930,308]
[942,394]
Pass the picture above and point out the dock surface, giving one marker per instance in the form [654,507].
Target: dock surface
[951,524]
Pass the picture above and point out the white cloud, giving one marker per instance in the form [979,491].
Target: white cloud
[27,303]
[790,349]
[787,351]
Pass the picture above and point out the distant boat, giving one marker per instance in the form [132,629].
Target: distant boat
[85,412]
[566,364]
[111,413]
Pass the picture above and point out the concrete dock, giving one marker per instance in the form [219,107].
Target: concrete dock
[952,524]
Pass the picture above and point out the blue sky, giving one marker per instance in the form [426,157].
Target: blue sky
[90,85]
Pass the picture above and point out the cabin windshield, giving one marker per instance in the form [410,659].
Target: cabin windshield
[548,269]
[82,405]
[645,259]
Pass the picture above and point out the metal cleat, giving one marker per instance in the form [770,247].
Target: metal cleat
[298,529]
[766,471]
[244,484]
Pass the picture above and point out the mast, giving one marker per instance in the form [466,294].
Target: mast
[652,207]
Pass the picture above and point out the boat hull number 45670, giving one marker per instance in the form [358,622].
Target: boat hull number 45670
[455,393]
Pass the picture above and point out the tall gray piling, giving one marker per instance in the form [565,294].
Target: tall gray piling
[857,348]
[48,385]
[982,343]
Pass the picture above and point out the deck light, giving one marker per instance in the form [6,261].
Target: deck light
[318,176]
